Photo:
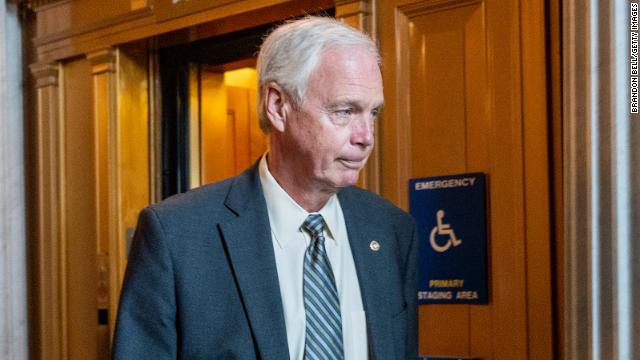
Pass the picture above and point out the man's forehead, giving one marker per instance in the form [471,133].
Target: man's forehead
[351,65]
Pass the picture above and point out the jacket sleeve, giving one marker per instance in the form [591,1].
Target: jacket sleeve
[145,326]
[411,294]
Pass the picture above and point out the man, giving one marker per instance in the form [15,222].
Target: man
[287,260]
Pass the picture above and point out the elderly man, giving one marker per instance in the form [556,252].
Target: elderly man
[288,260]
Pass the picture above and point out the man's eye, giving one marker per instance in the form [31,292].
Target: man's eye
[344,112]
[342,116]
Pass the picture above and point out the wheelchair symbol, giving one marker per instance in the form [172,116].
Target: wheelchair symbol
[443,229]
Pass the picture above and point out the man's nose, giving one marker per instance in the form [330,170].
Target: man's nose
[362,131]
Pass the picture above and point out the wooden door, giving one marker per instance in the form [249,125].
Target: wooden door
[465,92]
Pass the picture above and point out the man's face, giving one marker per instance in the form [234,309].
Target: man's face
[330,136]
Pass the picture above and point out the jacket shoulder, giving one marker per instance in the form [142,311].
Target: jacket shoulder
[195,207]
[198,197]
[375,205]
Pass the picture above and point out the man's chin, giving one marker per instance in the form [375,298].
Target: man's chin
[349,179]
[339,180]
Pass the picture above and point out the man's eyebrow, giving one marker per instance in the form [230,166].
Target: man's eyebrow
[354,103]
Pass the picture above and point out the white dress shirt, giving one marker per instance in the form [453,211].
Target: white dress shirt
[289,244]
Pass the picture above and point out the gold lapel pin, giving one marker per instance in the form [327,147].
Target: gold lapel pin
[374,245]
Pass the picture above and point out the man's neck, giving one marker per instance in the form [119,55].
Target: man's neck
[309,197]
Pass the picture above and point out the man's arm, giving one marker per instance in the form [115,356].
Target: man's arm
[145,327]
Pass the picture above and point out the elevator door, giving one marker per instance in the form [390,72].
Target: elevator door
[227,138]
[208,117]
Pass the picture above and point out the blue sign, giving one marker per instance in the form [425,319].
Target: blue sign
[450,212]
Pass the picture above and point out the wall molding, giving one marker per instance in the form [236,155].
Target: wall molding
[51,233]
[102,60]
[146,22]
[45,74]
[129,17]
[104,64]
[428,7]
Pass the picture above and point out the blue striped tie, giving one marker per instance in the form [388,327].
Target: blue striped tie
[321,302]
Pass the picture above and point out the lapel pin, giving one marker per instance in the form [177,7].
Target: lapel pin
[374,245]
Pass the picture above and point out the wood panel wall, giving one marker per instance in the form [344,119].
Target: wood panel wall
[465,89]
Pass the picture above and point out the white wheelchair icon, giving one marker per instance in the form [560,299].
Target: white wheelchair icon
[443,229]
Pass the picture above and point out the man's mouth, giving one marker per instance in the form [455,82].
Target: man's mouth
[354,164]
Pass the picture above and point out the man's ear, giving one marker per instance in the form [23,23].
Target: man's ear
[277,106]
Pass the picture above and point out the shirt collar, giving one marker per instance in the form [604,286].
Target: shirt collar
[286,216]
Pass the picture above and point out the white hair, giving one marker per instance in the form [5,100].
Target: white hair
[291,53]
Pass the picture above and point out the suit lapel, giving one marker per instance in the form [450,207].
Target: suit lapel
[248,243]
[372,277]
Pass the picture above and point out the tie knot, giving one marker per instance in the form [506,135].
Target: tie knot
[314,224]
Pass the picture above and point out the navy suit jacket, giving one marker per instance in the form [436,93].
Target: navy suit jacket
[201,280]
